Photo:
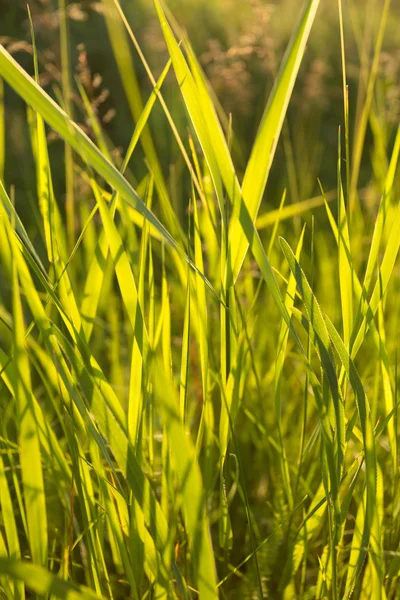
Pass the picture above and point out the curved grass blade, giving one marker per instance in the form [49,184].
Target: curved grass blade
[41,581]
[41,102]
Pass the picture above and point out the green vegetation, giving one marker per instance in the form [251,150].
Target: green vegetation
[198,366]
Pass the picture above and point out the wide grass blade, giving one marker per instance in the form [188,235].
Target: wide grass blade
[41,102]
[41,581]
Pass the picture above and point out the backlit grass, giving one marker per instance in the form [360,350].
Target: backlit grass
[198,389]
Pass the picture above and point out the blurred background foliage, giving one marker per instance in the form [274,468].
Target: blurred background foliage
[240,44]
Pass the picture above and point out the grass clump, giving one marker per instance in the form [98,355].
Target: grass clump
[190,406]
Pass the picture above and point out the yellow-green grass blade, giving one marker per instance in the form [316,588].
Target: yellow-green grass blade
[118,519]
[202,321]
[200,111]
[356,550]
[43,582]
[100,414]
[94,122]
[190,486]
[108,394]
[205,435]
[361,126]
[184,373]
[166,319]
[53,229]
[213,128]
[94,278]
[53,454]
[126,68]
[41,102]
[160,98]
[382,215]
[73,323]
[345,99]
[136,390]
[30,454]
[167,493]
[323,344]
[276,224]
[209,131]
[344,257]
[384,275]
[10,528]
[203,82]
[371,527]
[5,583]
[19,227]
[85,497]
[8,516]
[388,391]
[378,338]
[332,463]
[229,408]
[2,130]
[262,155]
[122,267]
[54,243]
[67,100]
[279,362]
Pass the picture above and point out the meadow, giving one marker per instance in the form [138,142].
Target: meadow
[199,299]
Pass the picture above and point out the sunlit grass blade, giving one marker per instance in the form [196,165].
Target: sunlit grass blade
[2,130]
[382,215]
[344,256]
[202,115]
[43,582]
[279,362]
[332,464]
[126,67]
[361,126]
[371,532]
[207,417]
[184,374]
[190,486]
[30,455]
[262,155]
[384,274]
[100,417]
[10,527]
[41,102]
[95,274]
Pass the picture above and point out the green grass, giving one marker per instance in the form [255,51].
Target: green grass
[190,407]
